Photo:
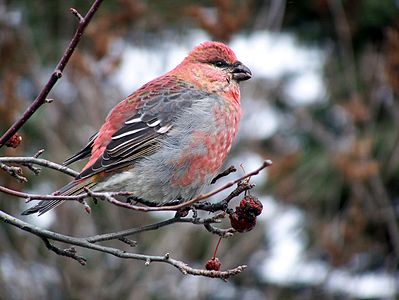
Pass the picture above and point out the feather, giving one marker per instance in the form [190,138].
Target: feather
[141,133]
[85,152]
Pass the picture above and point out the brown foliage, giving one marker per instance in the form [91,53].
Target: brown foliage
[356,164]
[229,18]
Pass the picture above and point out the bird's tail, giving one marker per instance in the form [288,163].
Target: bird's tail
[75,187]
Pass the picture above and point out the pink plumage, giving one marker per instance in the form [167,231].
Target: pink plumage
[168,139]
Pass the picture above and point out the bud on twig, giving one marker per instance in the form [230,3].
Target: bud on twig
[14,141]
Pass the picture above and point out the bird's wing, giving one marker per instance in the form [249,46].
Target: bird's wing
[83,153]
[141,133]
[137,136]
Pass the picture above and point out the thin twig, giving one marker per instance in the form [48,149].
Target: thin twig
[226,172]
[219,231]
[57,74]
[127,241]
[214,219]
[35,170]
[40,162]
[154,226]
[222,205]
[128,232]
[15,172]
[77,14]
[38,153]
[31,197]
[70,252]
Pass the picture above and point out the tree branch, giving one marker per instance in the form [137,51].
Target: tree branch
[110,196]
[90,242]
[45,235]
[57,74]
[26,161]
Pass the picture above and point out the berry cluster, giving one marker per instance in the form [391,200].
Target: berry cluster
[244,217]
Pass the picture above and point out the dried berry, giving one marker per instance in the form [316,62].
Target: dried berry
[213,264]
[14,142]
[242,222]
[244,217]
[251,206]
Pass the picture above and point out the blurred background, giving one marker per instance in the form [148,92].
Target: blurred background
[322,104]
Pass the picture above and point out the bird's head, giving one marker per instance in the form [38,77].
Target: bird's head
[214,65]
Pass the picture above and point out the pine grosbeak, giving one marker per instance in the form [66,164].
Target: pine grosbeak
[168,139]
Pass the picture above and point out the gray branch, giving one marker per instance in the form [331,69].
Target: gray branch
[46,235]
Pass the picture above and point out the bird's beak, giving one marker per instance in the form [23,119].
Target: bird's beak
[241,72]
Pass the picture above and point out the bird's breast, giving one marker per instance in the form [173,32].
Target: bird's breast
[207,148]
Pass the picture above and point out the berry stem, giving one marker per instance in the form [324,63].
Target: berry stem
[246,180]
[217,247]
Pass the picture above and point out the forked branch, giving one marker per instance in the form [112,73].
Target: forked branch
[88,243]
[92,242]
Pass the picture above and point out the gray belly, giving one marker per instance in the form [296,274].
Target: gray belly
[150,179]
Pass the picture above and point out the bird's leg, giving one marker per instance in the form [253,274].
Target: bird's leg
[182,212]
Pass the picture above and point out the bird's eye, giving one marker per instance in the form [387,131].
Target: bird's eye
[220,64]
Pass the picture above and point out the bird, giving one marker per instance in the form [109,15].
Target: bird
[168,139]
